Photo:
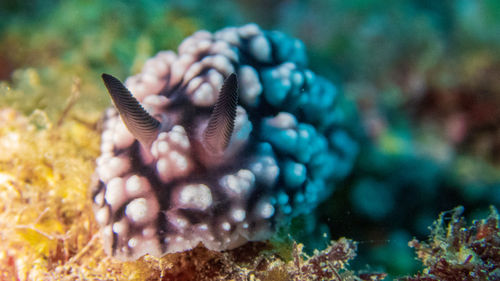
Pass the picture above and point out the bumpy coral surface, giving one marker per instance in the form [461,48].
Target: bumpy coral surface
[159,191]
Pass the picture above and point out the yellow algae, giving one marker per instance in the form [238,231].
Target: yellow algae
[40,242]
[45,171]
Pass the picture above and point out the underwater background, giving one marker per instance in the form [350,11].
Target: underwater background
[420,85]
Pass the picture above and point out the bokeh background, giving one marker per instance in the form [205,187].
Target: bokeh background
[420,81]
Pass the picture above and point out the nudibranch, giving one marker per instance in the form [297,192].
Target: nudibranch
[218,144]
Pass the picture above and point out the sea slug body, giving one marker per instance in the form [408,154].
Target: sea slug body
[218,144]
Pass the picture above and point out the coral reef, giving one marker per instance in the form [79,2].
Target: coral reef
[456,251]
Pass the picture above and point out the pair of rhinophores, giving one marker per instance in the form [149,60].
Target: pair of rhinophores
[213,136]
[219,144]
